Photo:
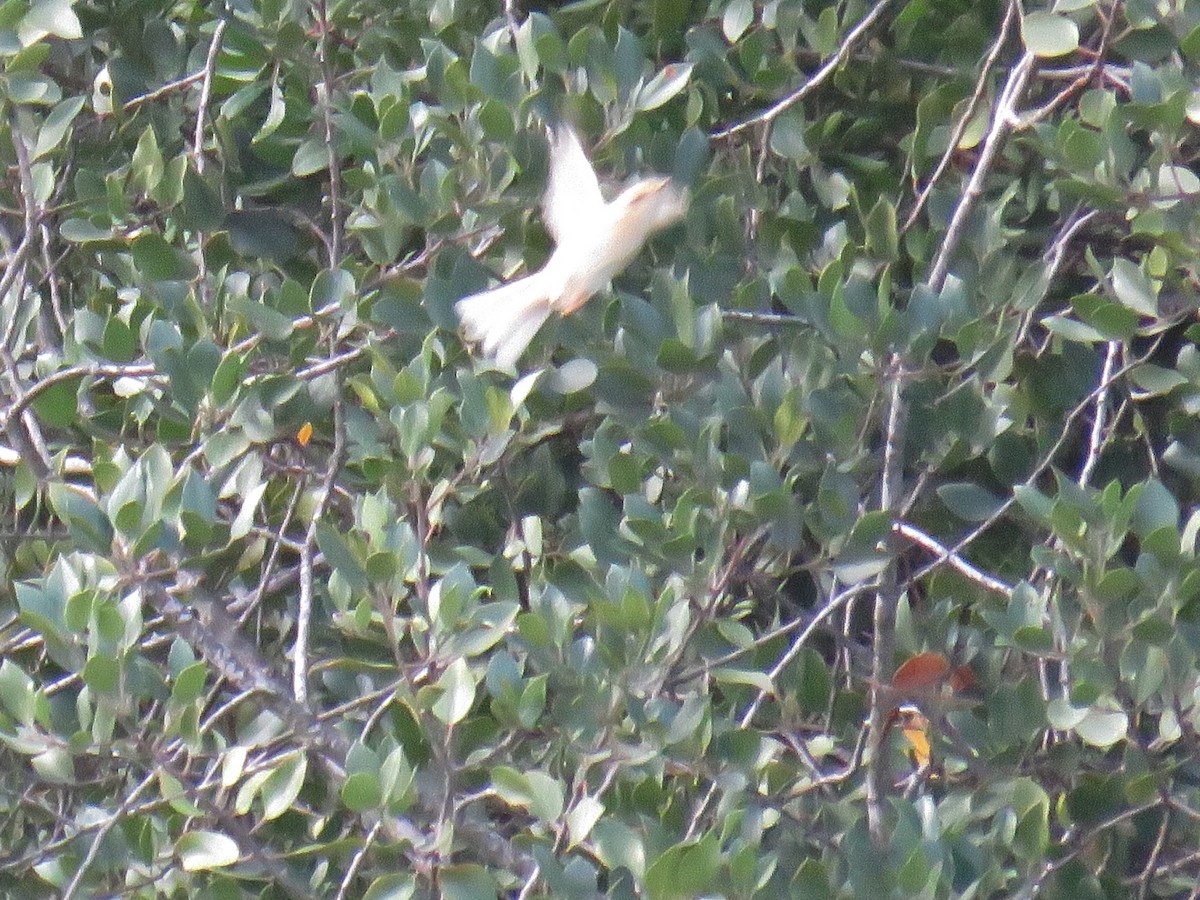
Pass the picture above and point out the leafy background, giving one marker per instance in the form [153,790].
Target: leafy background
[300,599]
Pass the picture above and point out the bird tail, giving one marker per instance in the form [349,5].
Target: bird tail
[504,320]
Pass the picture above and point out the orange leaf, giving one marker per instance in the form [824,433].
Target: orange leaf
[921,672]
[304,435]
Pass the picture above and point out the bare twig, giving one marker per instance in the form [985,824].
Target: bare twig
[964,120]
[762,318]
[29,210]
[356,862]
[971,572]
[886,597]
[1003,119]
[768,116]
[210,67]
[304,613]
[332,363]
[168,88]
[1097,67]
[834,603]
[1099,418]
[320,12]
[278,541]
[51,279]
[22,402]
[101,832]
[1147,876]
[1045,462]
[1082,841]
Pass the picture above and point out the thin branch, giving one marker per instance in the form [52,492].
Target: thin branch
[320,12]
[101,832]
[969,571]
[819,77]
[762,318]
[1053,259]
[1097,67]
[886,597]
[1003,119]
[1042,466]
[22,402]
[168,88]
[356,862]
[304,613]
[834,603]
[51,277]
[964,120]
[31,432]
[15,270]
[210,67]
[1100,417]
[1147,876]
[265,582]
[1082,841]
[332,363]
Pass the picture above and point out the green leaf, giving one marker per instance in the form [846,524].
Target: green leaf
[751,677]
[311,157]
[1133,288]
[102,674]
[56,126]
[968,501]
[536,791]
[50,17]
[17,692]
[280,790]
[330,288]
[664,86]
[458,693]
[362,791]
[738,16]
[275,114]
[532,702]
[82,231]
[189,684]
[1103,724]
[392,887]
[787,137]
[55,766]
[1048,35]
[202,207]
[1156,508]
[466,882]
[619,845]
[883,238]
[201,850]
[582,818]
[687,870]
[146,167]
[262,233]
[159,261]
[58,405]
[120,344]
[341,557]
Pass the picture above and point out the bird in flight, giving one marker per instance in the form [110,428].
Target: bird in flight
[594,240]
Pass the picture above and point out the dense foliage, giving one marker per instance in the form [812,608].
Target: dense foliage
[846,547]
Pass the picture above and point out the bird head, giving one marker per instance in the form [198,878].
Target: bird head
[655,201]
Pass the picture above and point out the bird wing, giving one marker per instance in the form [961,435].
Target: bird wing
[573,198]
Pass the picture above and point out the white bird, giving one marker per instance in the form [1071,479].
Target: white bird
[594,240]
